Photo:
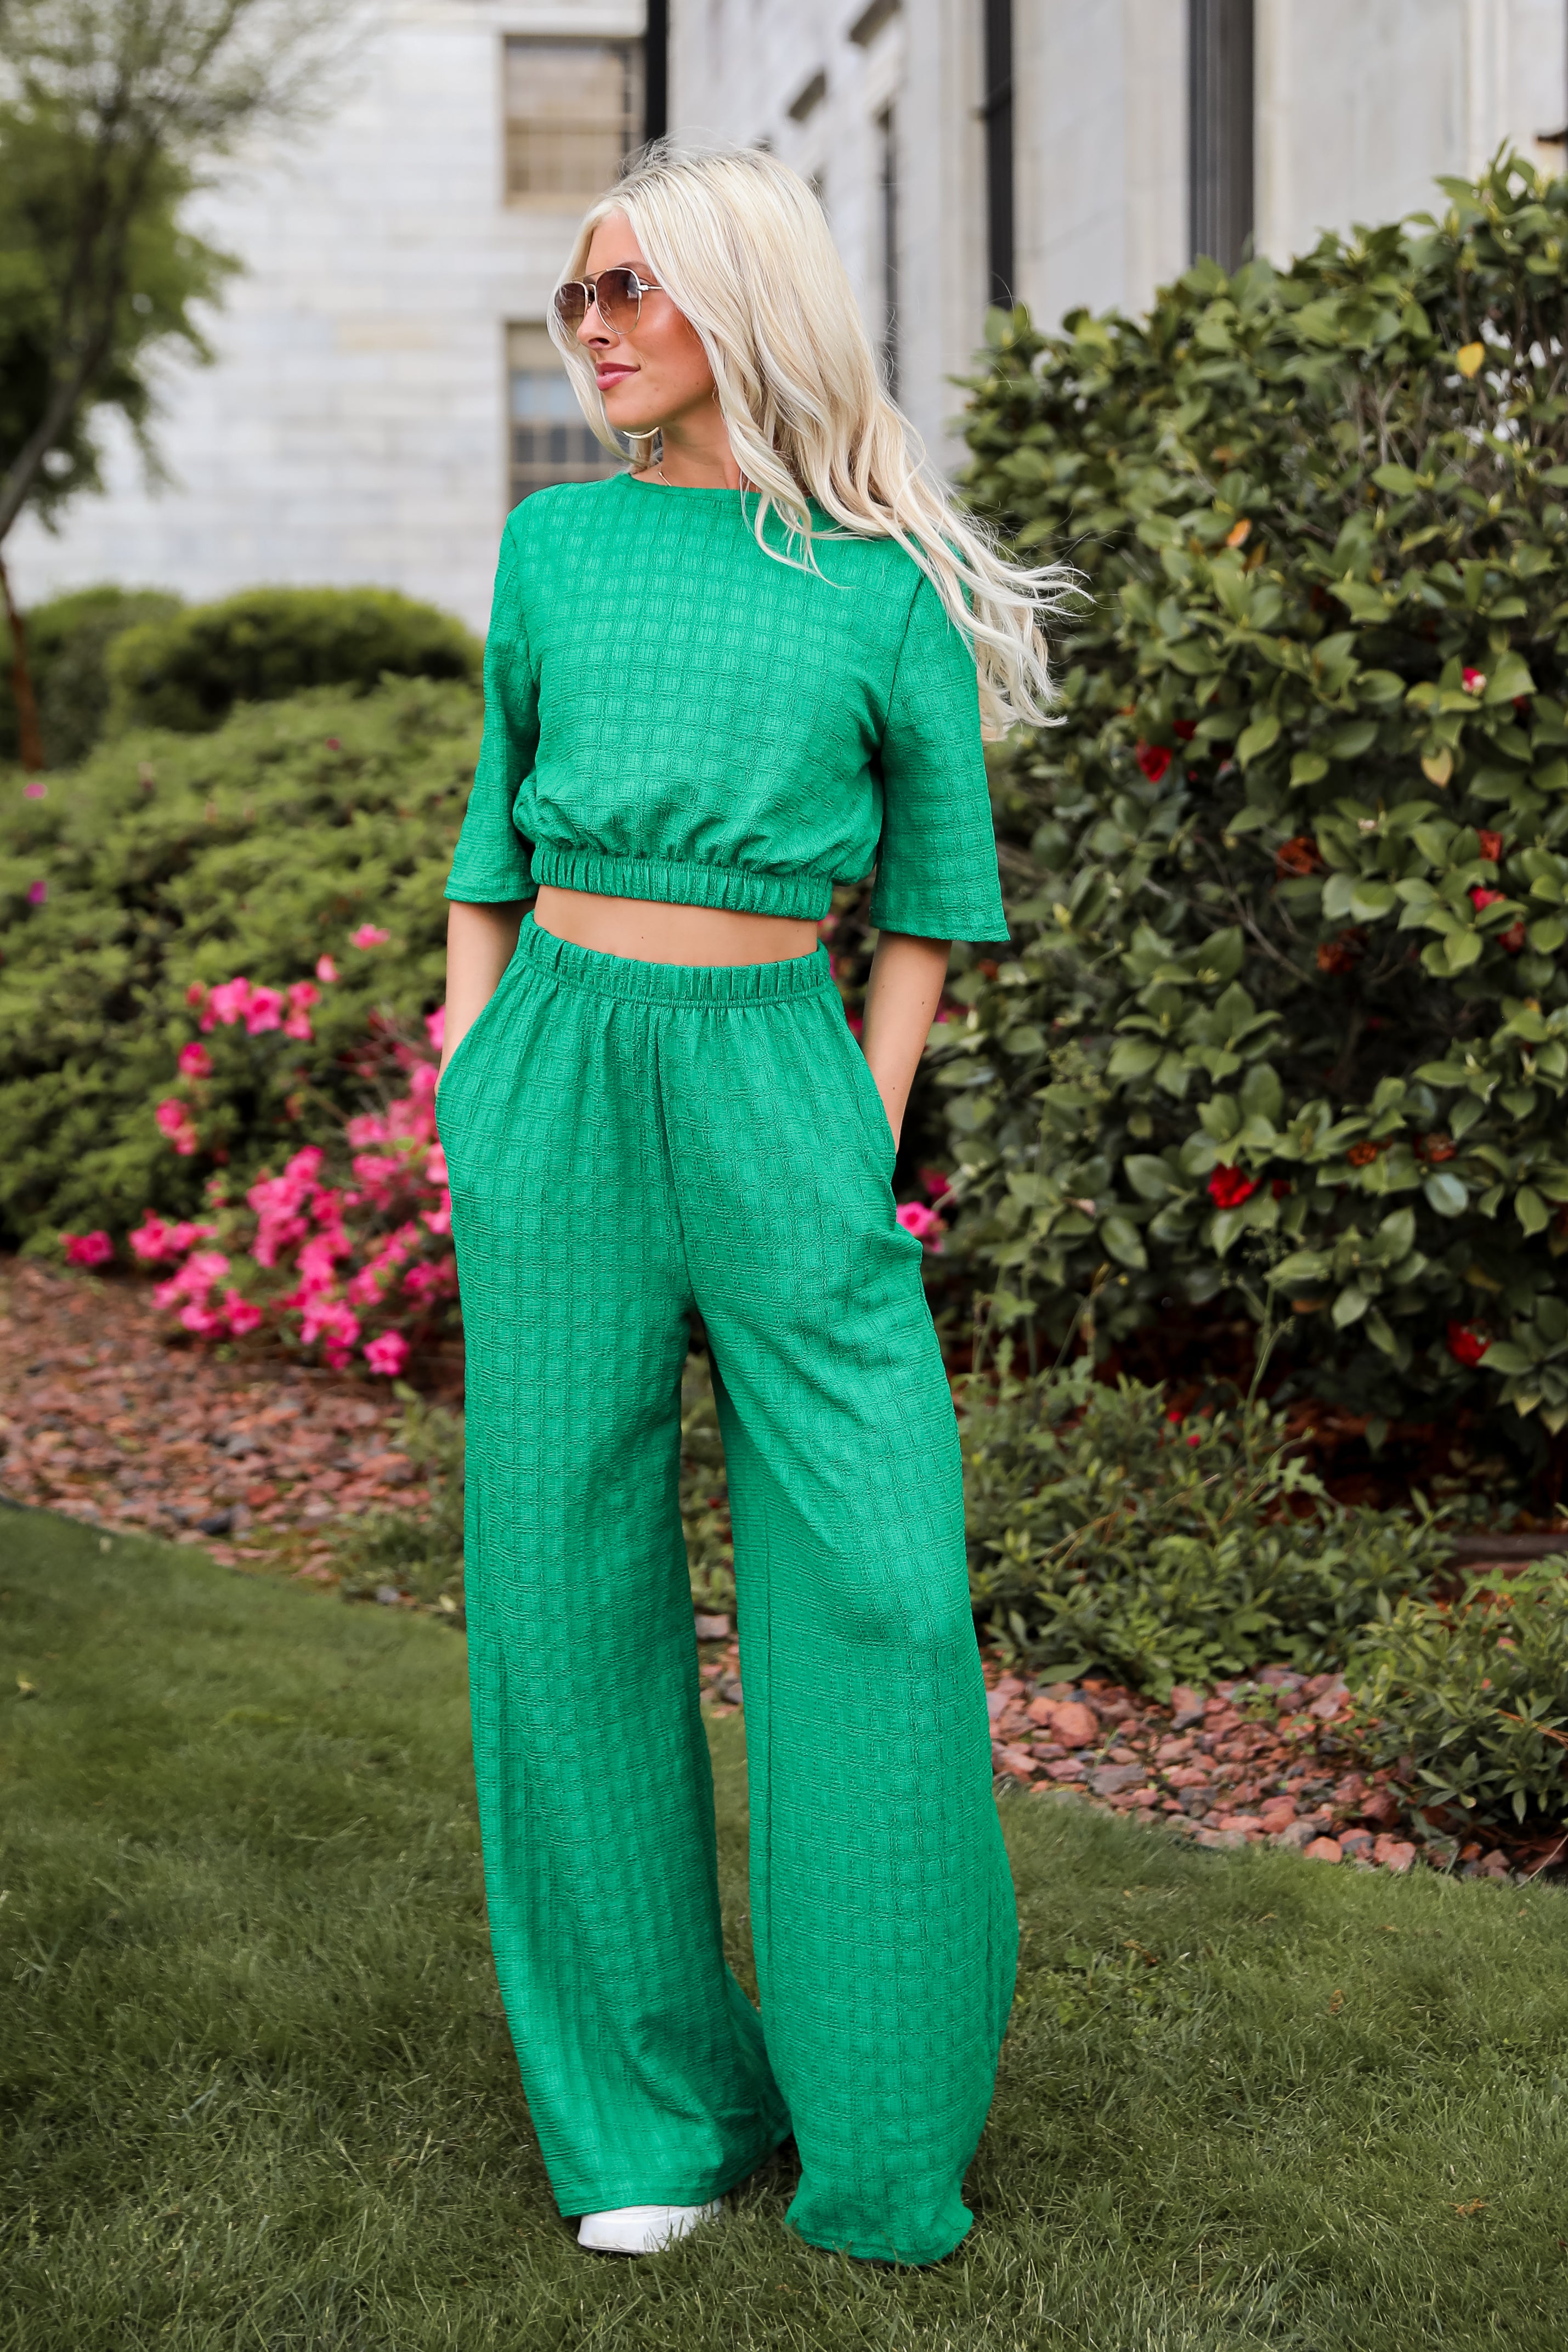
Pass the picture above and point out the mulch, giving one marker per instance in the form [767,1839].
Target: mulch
[105,1418]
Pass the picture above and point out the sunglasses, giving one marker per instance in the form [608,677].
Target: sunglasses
[616,293]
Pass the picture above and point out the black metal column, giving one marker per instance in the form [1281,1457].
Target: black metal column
[997,112]
[1220,130]
[657,70]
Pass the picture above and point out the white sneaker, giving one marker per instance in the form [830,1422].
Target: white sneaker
[642,2228]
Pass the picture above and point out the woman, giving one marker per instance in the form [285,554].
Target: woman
[713,686]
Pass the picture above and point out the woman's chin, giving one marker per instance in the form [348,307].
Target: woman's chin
[628,420]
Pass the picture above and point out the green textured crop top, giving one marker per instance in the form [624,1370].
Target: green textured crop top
[673,714]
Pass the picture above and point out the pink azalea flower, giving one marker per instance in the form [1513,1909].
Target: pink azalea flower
[37,893]
[196,993]
[302,994]
[435,1026]
[149,1239]
[421,1090]
[243,1315]
[936,1184]
[439,1220]
[87,1249]
[368,1129]
[265,1011]
[387,1353]
[299,1026]
[195,1062]
[205,1321]
[326,970]
[436,1167]
[368,935]
[917,1219]
[34,791]
[228,1002]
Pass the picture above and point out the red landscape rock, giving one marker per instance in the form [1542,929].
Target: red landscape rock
[1324,1849]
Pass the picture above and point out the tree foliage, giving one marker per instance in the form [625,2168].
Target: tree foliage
[1287,1012]
[115,109]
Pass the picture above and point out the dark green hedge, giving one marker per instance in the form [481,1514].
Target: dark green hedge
[189,671]
[1287,1012]
[68,640]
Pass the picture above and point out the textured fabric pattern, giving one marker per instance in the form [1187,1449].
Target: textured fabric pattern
[672,713]
[626,1142]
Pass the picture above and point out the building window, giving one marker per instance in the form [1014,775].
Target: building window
[550,438]
[574,113]
[1220,130]
[887,192]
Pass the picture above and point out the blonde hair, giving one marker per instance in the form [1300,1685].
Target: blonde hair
[740,244]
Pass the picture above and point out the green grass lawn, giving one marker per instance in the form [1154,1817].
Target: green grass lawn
[258,2090]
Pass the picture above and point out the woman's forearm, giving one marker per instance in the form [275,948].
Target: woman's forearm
[901,1000]
[479,944]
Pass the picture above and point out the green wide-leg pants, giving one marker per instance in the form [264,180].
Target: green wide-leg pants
[628,1142]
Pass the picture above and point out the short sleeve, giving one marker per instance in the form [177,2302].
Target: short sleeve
[492,861]
[937,863]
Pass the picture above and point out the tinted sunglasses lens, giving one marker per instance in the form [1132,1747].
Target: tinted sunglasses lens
[615,290]
[572,304]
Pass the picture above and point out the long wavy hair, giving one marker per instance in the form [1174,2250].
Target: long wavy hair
[740,244]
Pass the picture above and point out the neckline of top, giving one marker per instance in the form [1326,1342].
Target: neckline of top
[818,512]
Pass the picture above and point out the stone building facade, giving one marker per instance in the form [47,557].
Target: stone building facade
[1079,151]
[384,389]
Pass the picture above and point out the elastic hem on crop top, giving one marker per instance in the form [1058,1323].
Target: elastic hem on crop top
[678,882]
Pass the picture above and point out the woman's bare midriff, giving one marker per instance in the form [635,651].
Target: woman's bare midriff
[651,933]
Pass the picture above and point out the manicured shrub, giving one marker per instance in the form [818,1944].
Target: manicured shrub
[1108,1531]
[1473,1693]
[68,640]
[189,671]
[169,862]
[1287,1007]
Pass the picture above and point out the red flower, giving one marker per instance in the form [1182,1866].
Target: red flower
[1480,898]
[1185,729]
[1280,1187]
[1491,846]
[1512,938]
[1339,956]
[87,1249]
[1474,681]
[1466,1346]
[1228,1188]
[1153,758]
[1436,1149]
[1361,1154]
[1298,856]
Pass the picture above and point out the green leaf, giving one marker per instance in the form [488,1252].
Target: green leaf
[1531,1210]
[1397,479]
[1220,1117]
[1308,767]
[1124,1241]
[1255,739]
[1369,900]
[1350,1305]
[1149,1177]
[1445,1193]
[1132,1057]
[1507,680]
[1262,1096]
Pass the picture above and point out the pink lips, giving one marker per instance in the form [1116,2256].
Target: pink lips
[605,377]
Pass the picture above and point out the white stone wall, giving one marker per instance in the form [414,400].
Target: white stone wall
[354,428]
[1360,105]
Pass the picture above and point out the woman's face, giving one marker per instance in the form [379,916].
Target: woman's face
[658,372]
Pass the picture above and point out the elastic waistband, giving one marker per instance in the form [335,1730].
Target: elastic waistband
[672,983]
[680,882]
